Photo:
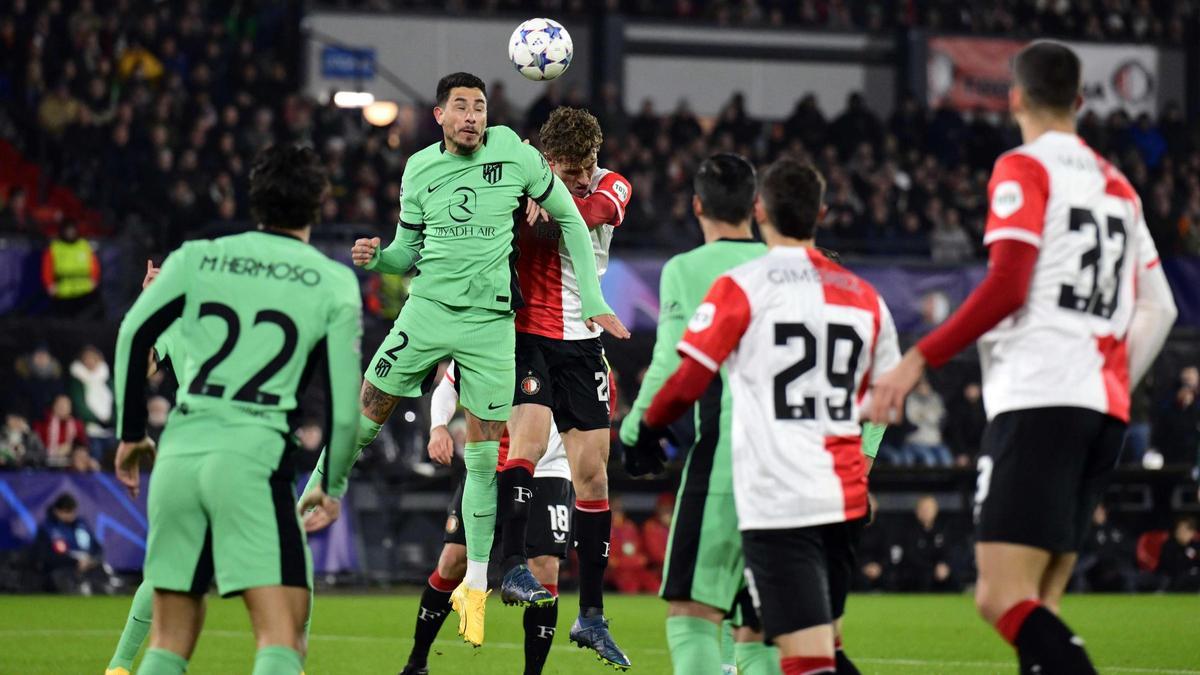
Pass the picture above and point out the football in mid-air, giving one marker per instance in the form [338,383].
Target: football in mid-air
[541,49]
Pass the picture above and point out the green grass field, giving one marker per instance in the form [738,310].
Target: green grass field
[371,634]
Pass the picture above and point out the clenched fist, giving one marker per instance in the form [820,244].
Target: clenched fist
[364,250]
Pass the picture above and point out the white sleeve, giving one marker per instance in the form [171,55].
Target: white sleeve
[1154,313]
[444,401]
[887,343]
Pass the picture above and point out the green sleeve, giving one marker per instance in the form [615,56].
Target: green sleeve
[402,253]
[405,249]
[151,314]
[671,324]
[578,240]
[345,363]
[872,436]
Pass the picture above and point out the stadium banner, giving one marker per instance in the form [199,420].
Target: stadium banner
[119,521]
[920,297]
[973,73]
[773,68]
[372,52]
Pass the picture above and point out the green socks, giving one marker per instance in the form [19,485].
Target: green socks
[479,499]
[163,662]
[278,660]
[756,658]
[695,645]
[136,628]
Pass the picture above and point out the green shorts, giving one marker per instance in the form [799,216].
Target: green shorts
[482,343]
[704,552]
[224,515]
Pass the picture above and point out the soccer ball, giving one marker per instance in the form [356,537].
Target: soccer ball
[541,49]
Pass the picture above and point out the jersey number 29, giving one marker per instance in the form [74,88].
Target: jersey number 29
[836,333]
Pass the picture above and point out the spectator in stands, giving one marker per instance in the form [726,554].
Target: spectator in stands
[67,552]
[1177,431]
[1106,559]
[311,439]
[39,380]
[14,213]
[158,408]
[627,563]
[60,431]
[71,273]
[926,412]
[92,396]
[1179,561]
[965,422]
[656,532]
[928,554]
[19,446]
[82,461]
[58,111]
[877,557]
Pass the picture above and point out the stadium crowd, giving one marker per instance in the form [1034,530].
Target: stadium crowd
[1140,20]
[155,115]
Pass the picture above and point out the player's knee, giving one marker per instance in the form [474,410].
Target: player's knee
[694,609]
[592,486]
[990,604]
[481,460]
[452,567]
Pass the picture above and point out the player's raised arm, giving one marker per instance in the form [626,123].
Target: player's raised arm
[345,363]
[550,192]
[671,324]
[152,313]
[405,249]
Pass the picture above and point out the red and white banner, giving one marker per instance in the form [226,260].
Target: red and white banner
[970,73]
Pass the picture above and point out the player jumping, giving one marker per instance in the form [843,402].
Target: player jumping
[256,311]
[457,225]
[1072,313]
[800,337]
[561,373]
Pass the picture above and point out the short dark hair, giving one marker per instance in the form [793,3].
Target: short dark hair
[791,193]
[457,80]
[1050,74]
[571,136]
[287,186]
[725,185]
[65,502]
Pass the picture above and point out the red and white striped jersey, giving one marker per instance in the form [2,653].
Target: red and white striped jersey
[802,339]
[548,285]
[1067,345]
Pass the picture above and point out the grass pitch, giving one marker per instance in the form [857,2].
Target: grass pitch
[372,634]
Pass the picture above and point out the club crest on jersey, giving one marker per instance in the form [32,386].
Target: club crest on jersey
[493,172]
[451,524]
[382,368]
[1007,199]
[703,318]
[530,386]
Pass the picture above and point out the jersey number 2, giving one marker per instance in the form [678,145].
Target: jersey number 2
[251,391]
[807,410]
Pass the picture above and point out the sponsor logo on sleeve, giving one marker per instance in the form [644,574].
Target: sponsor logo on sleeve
[703,318]
[622,191]
[1007,199]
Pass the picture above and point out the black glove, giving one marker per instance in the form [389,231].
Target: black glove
[647,456]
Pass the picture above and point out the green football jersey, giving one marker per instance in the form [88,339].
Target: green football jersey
[458,219]
[685,281]
[251,316]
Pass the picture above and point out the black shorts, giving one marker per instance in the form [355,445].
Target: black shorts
[799,578]
[549,529]
[567,376]
[1041,473]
